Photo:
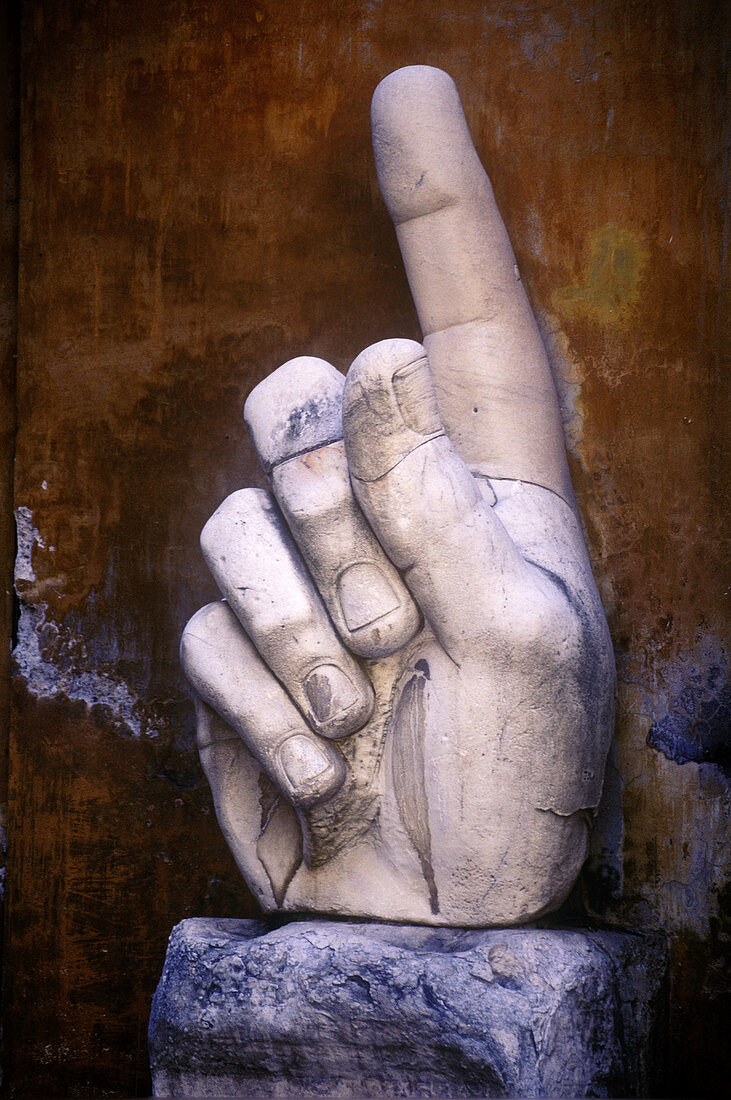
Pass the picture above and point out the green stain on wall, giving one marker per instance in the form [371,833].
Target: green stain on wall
[611,280]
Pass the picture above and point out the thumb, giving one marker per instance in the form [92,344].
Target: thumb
[428,511]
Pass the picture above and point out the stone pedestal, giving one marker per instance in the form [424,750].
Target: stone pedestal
[324,1008]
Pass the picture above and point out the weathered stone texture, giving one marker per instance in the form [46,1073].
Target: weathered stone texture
[324,1008]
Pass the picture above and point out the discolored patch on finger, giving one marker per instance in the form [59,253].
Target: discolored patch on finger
[296,409]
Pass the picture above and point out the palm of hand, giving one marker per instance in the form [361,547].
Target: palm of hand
[470,748]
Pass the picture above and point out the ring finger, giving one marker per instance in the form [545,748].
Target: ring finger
[263,578]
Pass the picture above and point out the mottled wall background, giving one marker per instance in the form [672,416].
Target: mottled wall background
[197,204]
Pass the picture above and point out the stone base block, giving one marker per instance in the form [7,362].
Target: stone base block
[325,1008]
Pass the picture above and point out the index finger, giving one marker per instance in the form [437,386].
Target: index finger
[491,373]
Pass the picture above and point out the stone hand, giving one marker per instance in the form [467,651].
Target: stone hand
[405,700]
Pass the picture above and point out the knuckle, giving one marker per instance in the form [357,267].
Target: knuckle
[207,621]
[235,509]
[270,619]
[550,631]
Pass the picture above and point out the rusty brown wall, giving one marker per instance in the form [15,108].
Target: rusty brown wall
[9,88]
[198,204]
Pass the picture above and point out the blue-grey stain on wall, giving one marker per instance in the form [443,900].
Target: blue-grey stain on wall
[698,727]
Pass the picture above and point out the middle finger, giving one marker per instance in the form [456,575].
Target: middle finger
[295,420]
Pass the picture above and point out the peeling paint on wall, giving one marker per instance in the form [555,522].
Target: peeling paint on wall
[53,661]
[39,638]
[27,537]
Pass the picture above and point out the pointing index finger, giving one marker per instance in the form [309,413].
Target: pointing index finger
[493,381]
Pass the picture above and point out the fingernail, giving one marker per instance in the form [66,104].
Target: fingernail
[415,397]
[330,692]
[303,760]
[365,595]
[313,773]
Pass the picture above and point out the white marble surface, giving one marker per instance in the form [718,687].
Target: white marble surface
[406,701]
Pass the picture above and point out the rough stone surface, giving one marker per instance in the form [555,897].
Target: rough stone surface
[317,1008]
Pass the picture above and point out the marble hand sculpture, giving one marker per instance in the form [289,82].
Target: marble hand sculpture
[405,698]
